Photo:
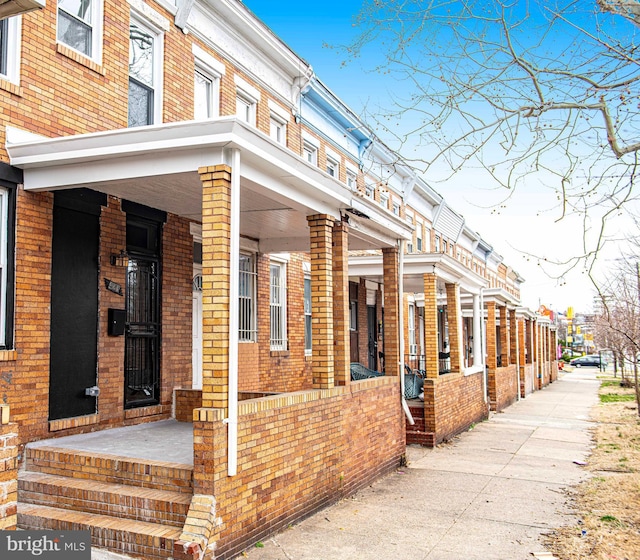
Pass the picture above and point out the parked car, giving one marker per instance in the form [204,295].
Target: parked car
[590,360]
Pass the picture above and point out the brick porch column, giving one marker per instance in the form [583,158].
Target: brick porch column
[322,355]
[216,278]
[522,345]
[431,326]
[504,336]
[391,311]
[454,318]
[341,334]
[492,348]
[8,471]
[513,344]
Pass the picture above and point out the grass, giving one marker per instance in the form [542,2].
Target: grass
[607,505]
[616,398]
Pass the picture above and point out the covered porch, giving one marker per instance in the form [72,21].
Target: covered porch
[260,463]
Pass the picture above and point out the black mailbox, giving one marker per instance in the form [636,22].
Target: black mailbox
[116,322]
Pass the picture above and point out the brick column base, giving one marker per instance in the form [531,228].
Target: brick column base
[8,471]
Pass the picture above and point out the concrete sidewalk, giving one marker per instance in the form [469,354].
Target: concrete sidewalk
[492,493]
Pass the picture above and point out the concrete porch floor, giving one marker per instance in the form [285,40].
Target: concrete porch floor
[165,440]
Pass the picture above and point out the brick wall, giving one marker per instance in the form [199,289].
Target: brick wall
[297,454]
[452,403]
[503,387]
[8,470]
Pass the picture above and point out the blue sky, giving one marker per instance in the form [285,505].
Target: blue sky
[525,226]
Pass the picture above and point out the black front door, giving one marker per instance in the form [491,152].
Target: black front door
[142,308]
[74,309]
[373,337]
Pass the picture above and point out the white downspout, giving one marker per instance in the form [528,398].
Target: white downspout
[484,344]
[518,357]
[405,406]
[234,271]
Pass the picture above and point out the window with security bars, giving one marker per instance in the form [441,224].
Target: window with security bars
[246,294]
[413,346]
[307,315]
[277,306]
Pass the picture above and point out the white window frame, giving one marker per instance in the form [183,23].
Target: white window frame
[308,328]
[352,179]
[370,191]
[247,301]
[12,54]
[333,167]
[212,70]
[310,153]
[247,98]
[157,67]
[411,325]
[419,237]
[94,23]
[396,208]
[278,306]
[278,129]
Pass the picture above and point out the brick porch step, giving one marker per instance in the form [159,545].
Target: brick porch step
[121,500]
[145,473]
[125,536]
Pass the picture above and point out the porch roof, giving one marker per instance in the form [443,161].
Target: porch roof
[416,265]
[158,165]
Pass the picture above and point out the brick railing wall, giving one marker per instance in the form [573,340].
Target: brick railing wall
[8,470]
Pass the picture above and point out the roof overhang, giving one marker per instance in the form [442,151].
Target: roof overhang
[158,166]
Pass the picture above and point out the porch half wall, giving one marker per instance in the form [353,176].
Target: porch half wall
[297,453]
[452,403]
[503,387]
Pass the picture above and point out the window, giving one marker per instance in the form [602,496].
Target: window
[396,208]
[277,305]
[352,179]
[6,267]
[247,298]
[307,314]
[413,346]
[384,200]
[310,153]
[369,191]
[333,167]
[419,237]
[203,97]
[245,109]
[278,130]
[79,26]
[206,91]
[10,48]
[437,247]
[144,74]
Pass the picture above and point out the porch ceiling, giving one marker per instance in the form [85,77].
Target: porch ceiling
[157,166]
[447,269]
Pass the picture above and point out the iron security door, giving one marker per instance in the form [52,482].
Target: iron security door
[74,312]
[142,335]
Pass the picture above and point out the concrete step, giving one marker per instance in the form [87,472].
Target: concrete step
[145,473]
[104,498]
[150,541]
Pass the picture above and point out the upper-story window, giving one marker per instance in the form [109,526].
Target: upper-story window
[278,129]
[419,245]
[247,98]
[396,208]
[333,167]
[10,48]
[145,64]
[310,153]
[352,179]
[80,26]
[369,191]
[206,90]
[437,244]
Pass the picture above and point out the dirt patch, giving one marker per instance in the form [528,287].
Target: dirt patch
[608,504]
